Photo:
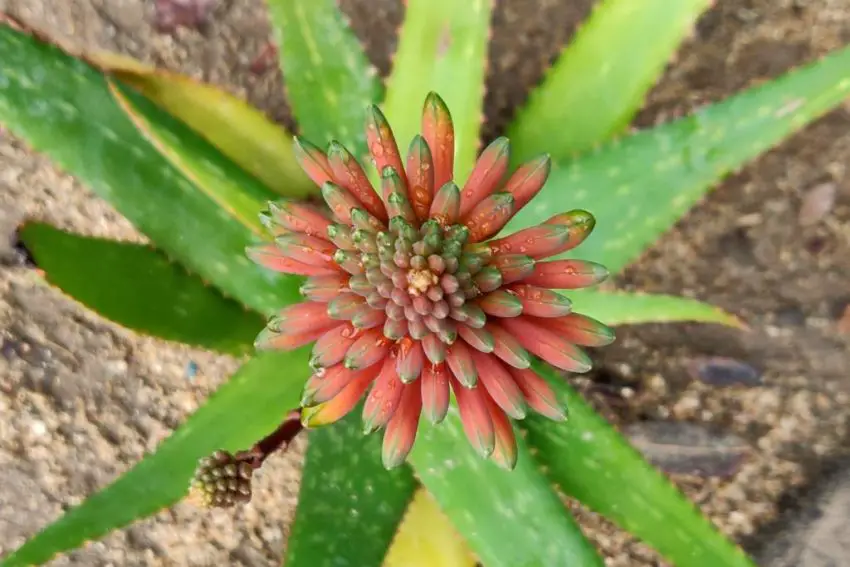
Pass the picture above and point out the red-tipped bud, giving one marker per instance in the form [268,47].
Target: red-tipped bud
[459,360]
[486,176]
[567,274]
[446,204]
[409,360]
[438,131]
[475,417]
[348,173]
[271,257]
[313,161]
[307,249]
[501,303]
[479,339]
[300,217]
[539,395]
[384,398]
[382,143]
[324,288]
[537,242]
[370,348]
[578,223]
[581,330]
[547,345]
[513,267]
[489,216]
[508,348]
[528,180]
[420,176]
[540,302]
[331,347]
[401,429]
[340,201]
[505,448]
[341,404]
[435,392]
[500,385]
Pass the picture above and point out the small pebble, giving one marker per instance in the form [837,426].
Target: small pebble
[721,371]
[678,447]
[116,367]
[172,14]
[843,324]
[191,370]
[38,428]
[817,204]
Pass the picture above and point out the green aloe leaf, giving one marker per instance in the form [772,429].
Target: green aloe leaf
[638,187]
[600,80]
[443,48]
[593,463]
[63,107]
[628,308]
[349,506]
[241,132]
[508,518]
[136,286]
[239,194]
[249,406]
[329,79]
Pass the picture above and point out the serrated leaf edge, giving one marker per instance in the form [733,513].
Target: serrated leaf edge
[44,276]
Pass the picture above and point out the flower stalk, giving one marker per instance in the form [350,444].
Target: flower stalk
[223,479]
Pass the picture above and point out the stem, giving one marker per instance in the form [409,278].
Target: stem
[278,440]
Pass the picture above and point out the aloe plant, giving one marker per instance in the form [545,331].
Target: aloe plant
[195,177]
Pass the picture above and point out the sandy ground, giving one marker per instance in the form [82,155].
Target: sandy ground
[81,400]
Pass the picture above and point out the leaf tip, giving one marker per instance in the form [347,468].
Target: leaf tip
[735,321]
[23,255]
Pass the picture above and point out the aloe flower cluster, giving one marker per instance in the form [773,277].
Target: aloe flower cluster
[409,297]
[222,480]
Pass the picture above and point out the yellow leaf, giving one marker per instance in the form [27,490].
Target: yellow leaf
[241,132]
[426,538]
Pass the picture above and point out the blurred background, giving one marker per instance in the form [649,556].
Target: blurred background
[81,399]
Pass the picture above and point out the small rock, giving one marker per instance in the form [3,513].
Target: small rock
[836,307]
[10,348]
[247,554]
[818,534]
[816,245]
[817,204]
[738,246]
[38,428]
[721,371]
[843,324]
[790,316]
[264,59]
[172,14]
[115,367]
[126,16]
[749,221]
[15,344]
[191,370]
[688,448]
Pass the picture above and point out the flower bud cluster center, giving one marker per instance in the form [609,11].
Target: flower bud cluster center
[420,277]
[420,281]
